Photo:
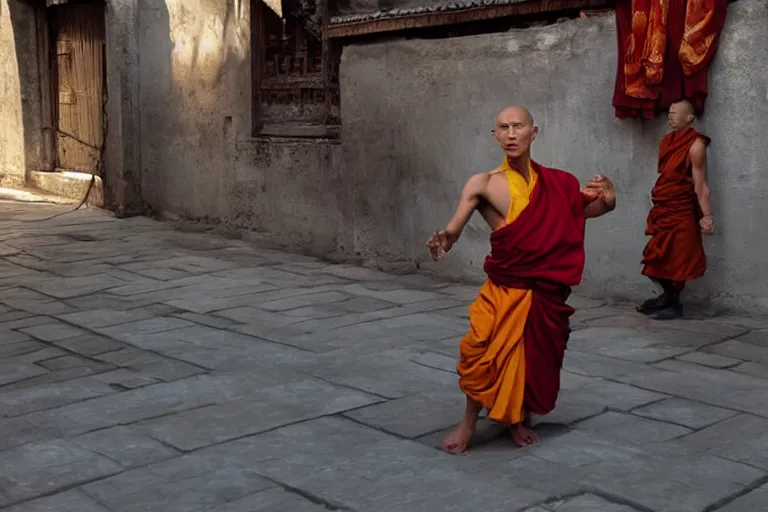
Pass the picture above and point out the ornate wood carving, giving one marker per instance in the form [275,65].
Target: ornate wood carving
[297,76]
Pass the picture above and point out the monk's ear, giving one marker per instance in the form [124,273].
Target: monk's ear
[535,131]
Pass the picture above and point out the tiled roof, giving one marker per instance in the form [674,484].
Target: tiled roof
[428,9]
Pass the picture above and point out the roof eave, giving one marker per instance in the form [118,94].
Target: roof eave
[448,14]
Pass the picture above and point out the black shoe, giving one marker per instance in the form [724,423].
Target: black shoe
[651,306]
[670,313]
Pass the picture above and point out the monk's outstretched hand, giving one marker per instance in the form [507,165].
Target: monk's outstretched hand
[440,243]
[602,187]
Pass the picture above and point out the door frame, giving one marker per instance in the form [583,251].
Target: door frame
[49,56]
[121,164]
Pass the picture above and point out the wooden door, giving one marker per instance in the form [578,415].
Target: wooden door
[78,30]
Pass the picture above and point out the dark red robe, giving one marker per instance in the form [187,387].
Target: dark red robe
[675,251]
[685,64]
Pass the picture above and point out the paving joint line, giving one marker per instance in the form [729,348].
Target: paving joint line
[738,494]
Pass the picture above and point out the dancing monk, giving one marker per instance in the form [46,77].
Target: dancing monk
[681,212]
[511,357]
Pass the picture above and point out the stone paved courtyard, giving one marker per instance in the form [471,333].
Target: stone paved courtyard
[145,369]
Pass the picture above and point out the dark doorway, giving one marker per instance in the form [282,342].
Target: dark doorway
[78,84]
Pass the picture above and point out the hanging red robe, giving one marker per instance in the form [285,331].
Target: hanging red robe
[685,42]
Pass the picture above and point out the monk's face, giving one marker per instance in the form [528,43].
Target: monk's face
[680,115]
[514,131]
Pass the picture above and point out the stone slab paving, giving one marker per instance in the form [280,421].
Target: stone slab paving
[148,369]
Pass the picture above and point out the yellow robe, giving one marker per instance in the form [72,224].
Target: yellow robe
[492,366]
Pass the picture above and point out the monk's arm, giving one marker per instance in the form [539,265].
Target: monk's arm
[698,153]
[471,195]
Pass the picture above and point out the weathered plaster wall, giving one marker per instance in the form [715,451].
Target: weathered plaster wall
[19,93]
[122,158]
[416,122]
[198,158]
[192,78]
[291,189]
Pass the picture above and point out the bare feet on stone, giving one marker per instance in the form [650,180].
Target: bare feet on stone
[457,441]
[524,436]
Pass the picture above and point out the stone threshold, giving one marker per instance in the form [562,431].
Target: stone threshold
[69,185]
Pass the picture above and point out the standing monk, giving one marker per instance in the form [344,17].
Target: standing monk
[512,355]
[681,212]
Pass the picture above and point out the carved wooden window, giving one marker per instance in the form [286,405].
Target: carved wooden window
[295,70]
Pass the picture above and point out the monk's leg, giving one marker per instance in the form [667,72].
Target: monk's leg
[492,365]
[523,434]
[672,308]
[457,440]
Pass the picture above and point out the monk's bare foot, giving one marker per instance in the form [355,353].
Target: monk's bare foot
[524,436]
[457,441]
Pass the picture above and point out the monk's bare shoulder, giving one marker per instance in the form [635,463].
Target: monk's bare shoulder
[477,184]
[487,184]
[702,140]
[699,147]
[698,152]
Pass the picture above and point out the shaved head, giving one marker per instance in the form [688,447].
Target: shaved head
[686,106]
[518,111]
[681,115]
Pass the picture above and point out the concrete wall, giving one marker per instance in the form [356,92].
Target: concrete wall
[21,136]
[416,122]
[293,190]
